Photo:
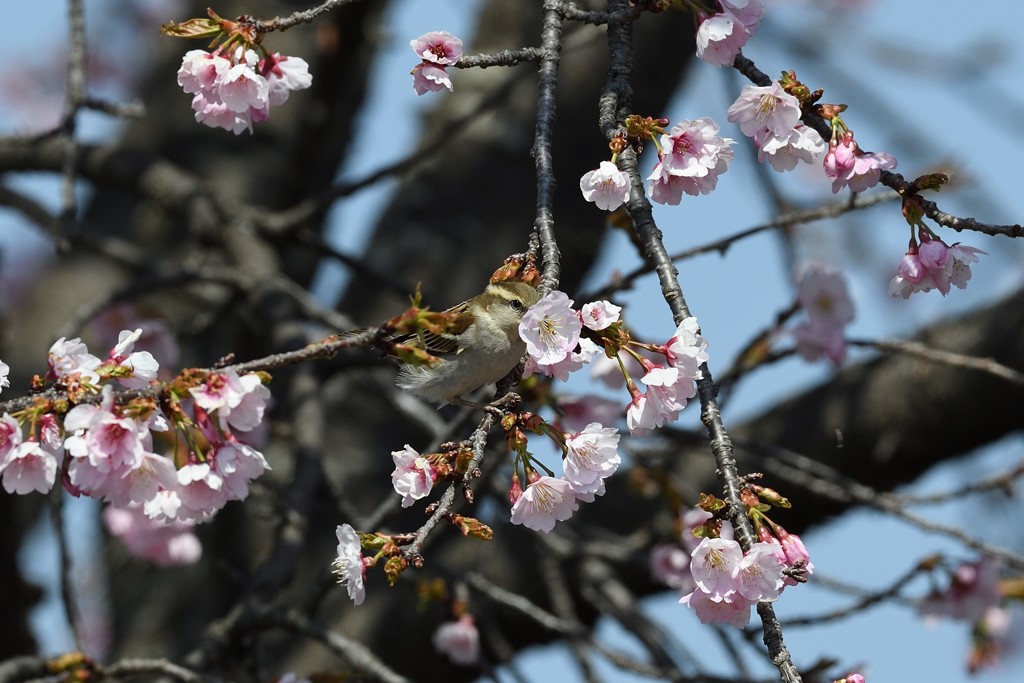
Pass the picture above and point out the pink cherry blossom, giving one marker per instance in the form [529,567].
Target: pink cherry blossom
[591,456]
[29,467]
[600,315]
[551,329]
[458,640]
[162,543]
[10,435]
[747,12]
[760,573]
[545,501]
[439,47]
[238,402]
[815,339]
[765,109]
[720,38]
[854,678]
[687,349]
[735,612]
[973,589]
[715,564]
[933,265]
[141,364]
[670,565]
[667,391]
[694,148]
[235,90]
[847,166]
[348,565]
[824,297]
[586,351]
[199,71]
[427,77]
[68,357]
[241,88]
[606,186]
[791,551]
[783,152]
[285,74]
[413,476]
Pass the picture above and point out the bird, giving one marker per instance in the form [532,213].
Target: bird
[484,346]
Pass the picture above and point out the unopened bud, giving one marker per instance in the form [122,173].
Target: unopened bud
[393,568]
[515,490]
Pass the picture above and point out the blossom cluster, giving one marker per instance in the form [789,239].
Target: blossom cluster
[438,50]
[552,332]
[691,156]
[974,595]
[771,116]
[721,36]
[824,298]
[235,88]
[105,449]
[727,581]
[846,165]
[933,265]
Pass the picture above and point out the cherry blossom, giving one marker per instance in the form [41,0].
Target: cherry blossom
[933,265]
[162,543]
[670,565]
[29,467]
[10,435]
[814,339]
[551,329]
[587,351]
[792,553]
[458,640]
[747,12]
[285,74]
[437,49]
[233,91]
[760,573]
[600,315]
[854,678]
[760,110]
[591,456]
[783,152]
[141,364]
[413,476]
[545,501]
[720,38]
[69,357]
[715,564]
[348,565]
[687,349]
[692,157]
[666,395]
[735,612]
[973,590]
[823,296]
[846,166]
[238,402]
[606,186]
[428,77]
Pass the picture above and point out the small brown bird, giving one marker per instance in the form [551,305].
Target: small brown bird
[486,350]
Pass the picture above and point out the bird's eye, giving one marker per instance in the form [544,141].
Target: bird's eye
[516,304]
